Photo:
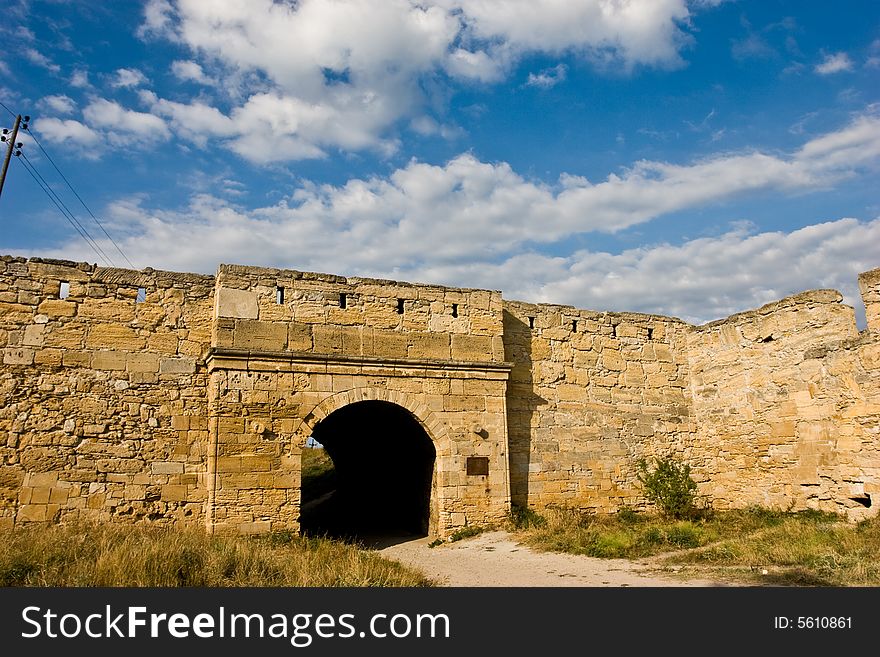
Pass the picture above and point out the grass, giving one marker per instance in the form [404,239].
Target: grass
[805,548]
[85,554]
[800,552]
[318,473]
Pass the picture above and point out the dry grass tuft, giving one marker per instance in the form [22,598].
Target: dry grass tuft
[85,554]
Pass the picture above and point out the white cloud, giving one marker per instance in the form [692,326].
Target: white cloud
[128,77]
[66,130]
[834,63]
[80,79]
[158,16]
[60,104]
[323,74]
[707,278]
[548,78]
[195,121]
[123,127]
[39,59]
[635,32]
[191,71]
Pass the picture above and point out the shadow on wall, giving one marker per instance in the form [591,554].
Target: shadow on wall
[522,404]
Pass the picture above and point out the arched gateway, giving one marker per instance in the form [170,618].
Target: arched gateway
[385,448]
[384,473]
[407,395]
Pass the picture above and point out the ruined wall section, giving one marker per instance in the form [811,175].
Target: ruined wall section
[289,347]
[787,404]
[869,286]
[102,394]
[591,393]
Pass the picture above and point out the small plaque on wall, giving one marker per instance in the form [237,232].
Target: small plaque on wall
[478,465]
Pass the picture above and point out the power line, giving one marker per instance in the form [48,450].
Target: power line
[91,214]
[72,216]
[7,109]
[72,220]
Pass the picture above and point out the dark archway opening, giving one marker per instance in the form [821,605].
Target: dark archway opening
[381,479]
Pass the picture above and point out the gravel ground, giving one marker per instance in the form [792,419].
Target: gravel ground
[495,559]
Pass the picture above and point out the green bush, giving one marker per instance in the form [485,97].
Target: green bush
[522,517]
[466,532]
[667,483]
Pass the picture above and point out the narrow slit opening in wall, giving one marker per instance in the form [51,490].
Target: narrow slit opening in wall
[400,306]
[279,295]
[343,301]
[614,330]
[650,333]
[531,322]
[574,326]
[64,290]
[455,310]
[141,295]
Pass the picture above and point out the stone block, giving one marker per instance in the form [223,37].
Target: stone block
[240,304]
[51,357]
[230,464]
[351,340]
[256,463]
[142,363]
[57,308]
[260,336]
[476,348]
[327,339]
[255,527]
[134,492]
[113,336]
[429,346]
[174,493]
[612,361]
[177,366]
[76,358]
[109,360]
[167,467]
[164,343]
[464,403]
[66,336]
[299,337]
[33,335]
[389,344]
[32,513]
[18,356]
[112,310]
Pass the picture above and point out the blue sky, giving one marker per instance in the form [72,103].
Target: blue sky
[691,158]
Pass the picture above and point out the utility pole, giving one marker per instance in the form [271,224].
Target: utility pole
[12,146]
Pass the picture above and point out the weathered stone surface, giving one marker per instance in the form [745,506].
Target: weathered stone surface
[240,304]
[177,366]
[57,308]
[18,356]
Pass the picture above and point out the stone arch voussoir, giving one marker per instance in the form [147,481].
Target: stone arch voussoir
[428,419]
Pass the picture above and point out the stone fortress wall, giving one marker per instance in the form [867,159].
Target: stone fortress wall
[167,397]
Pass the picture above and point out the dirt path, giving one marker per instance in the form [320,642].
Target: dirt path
[495,559]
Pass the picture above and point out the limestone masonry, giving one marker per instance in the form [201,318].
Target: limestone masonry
[158,396]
